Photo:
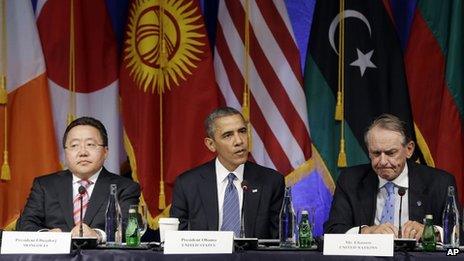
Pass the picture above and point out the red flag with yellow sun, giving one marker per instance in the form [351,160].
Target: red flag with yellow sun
[167,89]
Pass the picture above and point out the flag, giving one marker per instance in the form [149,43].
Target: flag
[257,66]
[367,80]
[434,60]
[31,145]
[82,68]
[167,90]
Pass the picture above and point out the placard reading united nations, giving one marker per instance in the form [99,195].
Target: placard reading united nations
[358,245]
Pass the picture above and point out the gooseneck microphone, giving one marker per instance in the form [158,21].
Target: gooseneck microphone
[244,186]
[401,192]
[81,191]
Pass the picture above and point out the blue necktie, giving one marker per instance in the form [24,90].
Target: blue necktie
[231,208]
[388,211]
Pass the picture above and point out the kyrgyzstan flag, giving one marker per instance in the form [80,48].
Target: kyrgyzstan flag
[30,136]
[167,89]
[81,56]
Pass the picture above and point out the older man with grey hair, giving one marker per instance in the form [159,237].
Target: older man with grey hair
[366,199]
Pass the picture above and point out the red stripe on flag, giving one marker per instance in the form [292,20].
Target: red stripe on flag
[278,156]
[272,83]
[437,118]
[282,35]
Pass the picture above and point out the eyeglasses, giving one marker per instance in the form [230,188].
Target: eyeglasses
[90,146]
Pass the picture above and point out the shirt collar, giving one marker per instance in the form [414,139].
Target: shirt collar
[401,181]
[222,172]
[93,178]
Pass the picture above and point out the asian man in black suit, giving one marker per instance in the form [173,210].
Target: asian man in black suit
[215,195]
[366,199]
[54,204]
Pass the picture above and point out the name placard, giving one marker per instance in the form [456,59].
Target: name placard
[16,242]
[358,245]
[199,242]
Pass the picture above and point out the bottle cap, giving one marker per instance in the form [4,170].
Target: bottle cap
[429,216]
[131,210]
[304,212]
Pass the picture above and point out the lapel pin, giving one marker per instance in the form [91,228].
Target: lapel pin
[419,203]
[254,190]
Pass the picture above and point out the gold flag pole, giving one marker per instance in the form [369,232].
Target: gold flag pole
[162,64]
[339,110]
[6,172]
[72,68]
[246,109]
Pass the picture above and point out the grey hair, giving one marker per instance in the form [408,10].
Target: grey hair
[389,122]
[218,113]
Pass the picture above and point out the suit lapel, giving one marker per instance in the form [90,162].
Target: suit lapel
[367,196]
[208,193]
[99,195]
[65,196]
[415,194]
[251,199]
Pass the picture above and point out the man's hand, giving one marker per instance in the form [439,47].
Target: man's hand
[413,229]
[386,228]
[86,231]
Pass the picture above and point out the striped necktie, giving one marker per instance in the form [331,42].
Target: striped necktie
[231,208]
[77,202]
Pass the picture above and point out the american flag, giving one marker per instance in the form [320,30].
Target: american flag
[278,112]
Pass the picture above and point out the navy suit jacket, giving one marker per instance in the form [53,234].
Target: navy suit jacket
[50,203]
[355,198]
[195,200]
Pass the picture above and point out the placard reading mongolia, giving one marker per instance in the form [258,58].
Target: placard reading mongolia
[198,242]
[15,242]
[358,245]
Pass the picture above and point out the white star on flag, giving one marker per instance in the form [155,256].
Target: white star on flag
[363,61]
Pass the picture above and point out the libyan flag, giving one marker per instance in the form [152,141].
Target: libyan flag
[374,78]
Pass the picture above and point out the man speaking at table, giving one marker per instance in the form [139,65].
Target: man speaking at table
[53,203]
[214,195]
[366,199]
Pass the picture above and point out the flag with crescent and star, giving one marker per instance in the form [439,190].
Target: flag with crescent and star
[354,72]
[167,89]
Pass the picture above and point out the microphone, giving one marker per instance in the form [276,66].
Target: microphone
[401,192]
[244,186]
[81,191]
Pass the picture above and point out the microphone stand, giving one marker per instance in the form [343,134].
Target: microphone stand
[401,192]
[244,186]
[82,191]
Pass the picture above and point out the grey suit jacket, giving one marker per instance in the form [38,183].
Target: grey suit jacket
[50,203]
[195,200]
[354,201]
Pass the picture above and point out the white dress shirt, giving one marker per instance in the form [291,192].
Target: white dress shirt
[222,181]
[401,181]
[76,184]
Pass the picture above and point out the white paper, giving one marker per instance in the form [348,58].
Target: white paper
[199,242]
[358,244]
[19,242]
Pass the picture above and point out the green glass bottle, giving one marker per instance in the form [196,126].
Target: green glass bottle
[132,230]
[305,235]
[428,236]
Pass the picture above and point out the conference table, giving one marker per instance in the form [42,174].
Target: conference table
[252,255]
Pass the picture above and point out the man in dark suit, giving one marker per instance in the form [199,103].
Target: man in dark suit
[216,194]
[362,202]
[54,203]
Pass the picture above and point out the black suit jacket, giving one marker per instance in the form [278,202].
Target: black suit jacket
[50,203]
[354,201]
[195,200]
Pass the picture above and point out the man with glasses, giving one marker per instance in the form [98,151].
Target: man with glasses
[54,201]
